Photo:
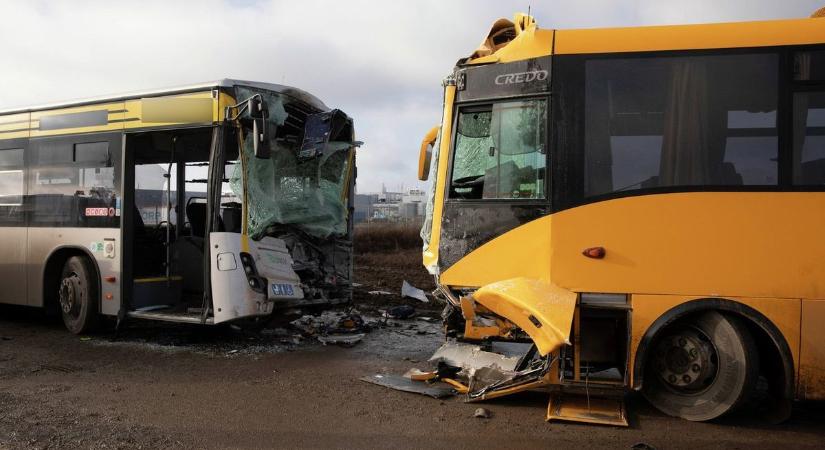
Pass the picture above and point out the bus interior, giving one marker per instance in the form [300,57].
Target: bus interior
[169,214]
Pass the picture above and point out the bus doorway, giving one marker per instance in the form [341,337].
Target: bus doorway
[166,221]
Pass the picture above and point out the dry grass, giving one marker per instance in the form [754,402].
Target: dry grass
[386,254]
[386,237]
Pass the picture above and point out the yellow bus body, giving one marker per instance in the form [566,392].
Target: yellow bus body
[761,250]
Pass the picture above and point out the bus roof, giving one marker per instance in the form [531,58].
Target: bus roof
[530,42]
[224,83]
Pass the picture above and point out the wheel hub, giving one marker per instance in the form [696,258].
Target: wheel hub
[69,291]
[686,361]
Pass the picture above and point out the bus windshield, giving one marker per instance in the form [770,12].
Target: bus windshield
[499,151]
[305,191]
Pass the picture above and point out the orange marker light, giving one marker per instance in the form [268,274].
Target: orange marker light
[109,296]
[594,252]
[110,279]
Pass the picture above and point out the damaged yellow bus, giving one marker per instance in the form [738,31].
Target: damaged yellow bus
[203,204]
[643,206]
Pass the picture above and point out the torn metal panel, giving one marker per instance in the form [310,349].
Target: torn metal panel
[404,384]
[408,290]
[587,409]
[543,310]
[468,356]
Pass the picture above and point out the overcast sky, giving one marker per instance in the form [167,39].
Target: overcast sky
[382,62]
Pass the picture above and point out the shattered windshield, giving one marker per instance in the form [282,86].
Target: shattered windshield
[309,193]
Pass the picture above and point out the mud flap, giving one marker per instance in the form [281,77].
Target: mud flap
[586,409]
[543,310]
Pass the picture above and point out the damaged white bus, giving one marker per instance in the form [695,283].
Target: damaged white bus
[202,204]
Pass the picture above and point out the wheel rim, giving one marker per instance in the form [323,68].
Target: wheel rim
[686,361]
[70,291]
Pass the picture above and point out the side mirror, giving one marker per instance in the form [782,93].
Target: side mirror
[425,154]
[260,143]
[256,107]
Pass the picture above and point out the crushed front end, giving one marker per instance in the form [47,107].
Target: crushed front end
[302,194]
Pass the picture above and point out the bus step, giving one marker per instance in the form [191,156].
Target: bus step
[586,409]
[170,317]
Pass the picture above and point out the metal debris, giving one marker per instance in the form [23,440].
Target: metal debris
[408,290]
[345,340]
[400,312]
[470,356]
[333,327]
[399,383]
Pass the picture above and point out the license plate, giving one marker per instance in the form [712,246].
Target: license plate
[282,290]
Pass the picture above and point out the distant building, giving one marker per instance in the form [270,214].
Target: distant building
[409,205]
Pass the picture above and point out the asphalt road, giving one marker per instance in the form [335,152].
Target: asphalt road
[164,386]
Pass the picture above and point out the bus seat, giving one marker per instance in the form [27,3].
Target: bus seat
[196,213]
[231,219]
[188,257]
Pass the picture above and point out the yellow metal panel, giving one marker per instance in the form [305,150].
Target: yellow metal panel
[177,113]
[115,116]
[690,37]
[224,100]
[176,110]
[784,313]
[586,409]
[543,310]
[522,252]
[14,126]
[718,244]
[713,244]
[430,255]
[531,43]
[812,353]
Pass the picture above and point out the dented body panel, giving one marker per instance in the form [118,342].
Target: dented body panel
[543,310]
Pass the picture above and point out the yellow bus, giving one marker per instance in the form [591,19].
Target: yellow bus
[644,206]
[204,204]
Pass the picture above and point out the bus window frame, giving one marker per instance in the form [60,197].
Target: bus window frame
[569,155]
[789,89]
[487,105]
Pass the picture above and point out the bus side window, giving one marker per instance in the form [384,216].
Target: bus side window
[808,138]
[73,183]
[661,122]
[11,186]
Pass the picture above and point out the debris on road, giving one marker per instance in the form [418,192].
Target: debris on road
[333,327]
[481,413]
[469,356]
[379,293]
[399,383]
[408,290]
[400,312]
[344,340]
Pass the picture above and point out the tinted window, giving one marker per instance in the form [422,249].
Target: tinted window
[809,66]
[92,152]
[73,184]
[680,121]
[500,152]
[12,187]
[809,138]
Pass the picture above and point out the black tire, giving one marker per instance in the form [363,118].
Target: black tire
[78,295]
[702,368]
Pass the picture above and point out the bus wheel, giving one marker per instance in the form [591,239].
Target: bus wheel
[78,295]
[701,368]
